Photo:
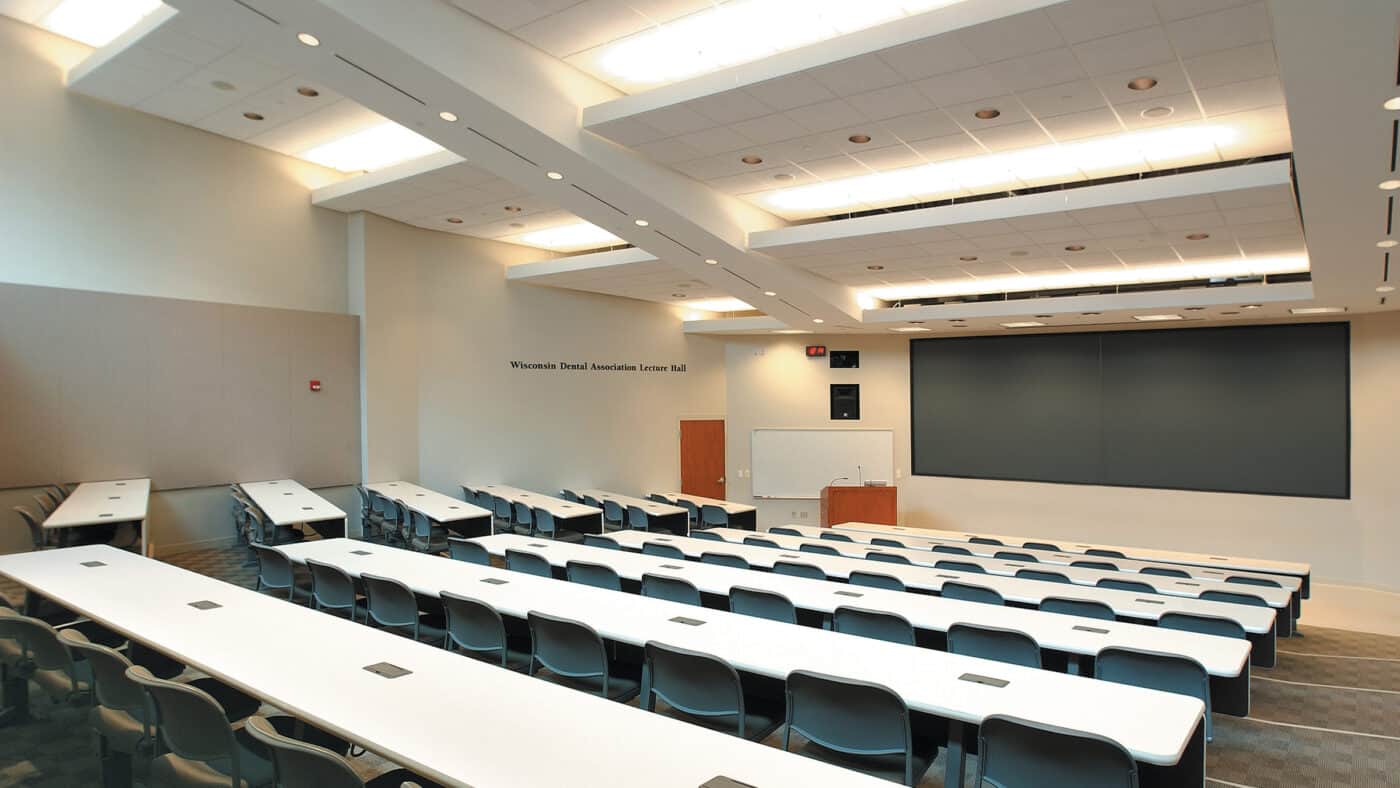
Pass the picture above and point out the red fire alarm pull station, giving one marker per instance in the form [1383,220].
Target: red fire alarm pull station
[816,351]
[315,385]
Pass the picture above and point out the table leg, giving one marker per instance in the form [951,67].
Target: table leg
[957,757]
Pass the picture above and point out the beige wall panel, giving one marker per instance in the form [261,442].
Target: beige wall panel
[30,389]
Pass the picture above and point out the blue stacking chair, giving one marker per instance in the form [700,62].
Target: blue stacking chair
[522,519]
[1164,571]
[1254,581]
[797,569]
[614,516]
[1165,672]
[502,510]
[1233,598]
[591,574]
[1206,625]
[1054,548]
[724,559]
[528,563]
[876,580]
[855,724]
[663,550]
[784,531]
[821,549]
[672,589]
[712,516]
[758,541]
[985,540]
[703,689]
[1043,575]
[1012,555]
[884,542]
[637,519]
[875,624]
[762,604]
[1015,752]
[476,629]
[594,540]
[968,592]
[692,512]
[706,535]
[576,657]
[889,558]
[1085,608]
[1104,565]
[951,549]
[571,496]
[1126,585]
[960,566]
[461,549]
[836,536]
[1104,553]
[391,605]
[1002,645]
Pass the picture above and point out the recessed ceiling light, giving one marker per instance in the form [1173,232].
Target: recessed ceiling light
[450,117]
[1195,309]
[910,329]
[1019,253]
[1393,103]
[308,39]
[987,113]
[454,220]
[782,176]
[1390,185]
[511,209]
[1252,306]
[1157,113]
[769,293]
[252,116]
[516,226]
[641,222]
[678,295]
[874,268]
[1317,310]
[752,159]
[684,285]
[1156,318]
[1074,248]
[1142,83]
[859,139]
[711,261]
[1023,324]
[1090,314]
[968,258]
[720,305]
[1197,236]
[1387,243]
[554,176]
[818,320]
[220,84]
[371,149]
[1229,313]
[1385,289]
[568,237]
[96,22]
[309,92]
[920,322]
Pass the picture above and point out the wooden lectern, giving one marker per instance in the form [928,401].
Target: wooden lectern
[859,505]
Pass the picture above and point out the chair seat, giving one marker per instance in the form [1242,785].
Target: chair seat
[170,769]
[237,705]
[435,543]
[518,661]
[565,535]
[620,688]
[757,727]
[303,731]
[121,730]
[886,767]
[398,777]
[57,684]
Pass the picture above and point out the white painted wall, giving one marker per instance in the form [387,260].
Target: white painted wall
[771,384]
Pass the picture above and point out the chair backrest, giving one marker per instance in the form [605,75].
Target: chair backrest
[462,549]
[875,624]
[114,689]
[659,498]
[1082,564]
[274,568]
[385,507]
[566,647]
[613,512]
[1104,553]
[1041,546]
[672,589]
[1206,625]
[1013,555]
[1042,574]
[502,508]
[589,500]
[331,586]
[1002,645]
[968,592]
[594,540]
[475,627]
[758,541]
[522,514]
[1230,596]
[820,549]
[591,574]
[984,540]
[529,563]
[663,550]
[951,549]
[761,604]
[889,558]
[544,521]
[422,526]
[711,516]
[40,644]
[700,533]
[1164,571]
[570,495]
[1126,585]
[798,569]
[390,603]
[693,682]
[854,717]
[876,580]
[191,722]
[724,559]
[297,764]
[1077,607]
[637,518]
[886,542]
[960,566]
[782,530]
[691,510]
[35,526]
[1154,670]
[1014,752]
[366,506]
[45,504]
[836,536]
[1254,581]
[404,516]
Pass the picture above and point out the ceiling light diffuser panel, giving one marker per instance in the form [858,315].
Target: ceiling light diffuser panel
[573,237]
[96,22]
[371,149]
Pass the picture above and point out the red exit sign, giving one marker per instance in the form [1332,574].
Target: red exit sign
[816,351]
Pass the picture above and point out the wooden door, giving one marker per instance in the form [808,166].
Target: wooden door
[702,457]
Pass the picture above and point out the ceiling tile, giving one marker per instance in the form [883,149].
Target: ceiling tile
[890,102]
[1183,109]
[1240,96]
[1011,36]
[1011,136]
[791,91]
[1170,78]
[1010,109]
[668,151]
[1227,29]
[889,158]
[1177,206]
[1188,222]
[856,75]
[1061,99]
[825,116]
[730,106]
[582,26]
[1081,20]
[1233,65]
[676,119]
[629,131]
[714,141]
[769,128]
[929,56]
[1170,10]
[952,146]
[1125,51]
[921,125]
[1028,72]
[835,167]
[960,87]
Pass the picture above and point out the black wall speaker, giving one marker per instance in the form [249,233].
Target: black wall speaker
[845,359]
[845,401]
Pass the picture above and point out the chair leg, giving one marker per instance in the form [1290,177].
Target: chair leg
[16,698]
[116,766]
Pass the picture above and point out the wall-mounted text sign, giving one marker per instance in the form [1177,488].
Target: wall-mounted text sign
[594,366]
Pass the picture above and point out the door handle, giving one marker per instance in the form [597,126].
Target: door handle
[720,480]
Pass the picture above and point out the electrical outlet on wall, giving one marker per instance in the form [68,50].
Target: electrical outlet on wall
[802,516]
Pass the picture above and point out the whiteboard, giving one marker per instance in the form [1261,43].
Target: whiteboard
[799,463]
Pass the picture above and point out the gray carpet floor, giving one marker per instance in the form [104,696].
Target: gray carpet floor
[1328,715]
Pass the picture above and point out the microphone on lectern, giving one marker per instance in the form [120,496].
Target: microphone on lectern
[839,479]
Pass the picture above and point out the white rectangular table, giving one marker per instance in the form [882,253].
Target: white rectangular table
[741,515]
[465,518]
[452,719]
[287,502]
[660,516]
[566,514]
[1227,659]
[1164,732]
[860,546]
[1258,622]
[1266,566]
[100,503]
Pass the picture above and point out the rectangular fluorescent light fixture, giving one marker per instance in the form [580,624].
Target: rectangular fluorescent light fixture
[910,329]
[1218,268]
[1156,318]
[371,149]
[96,22]
[567,237]
[738,31]
[1023,324]
[1000,171]
[1317,310]
[719,305]
[792,331]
